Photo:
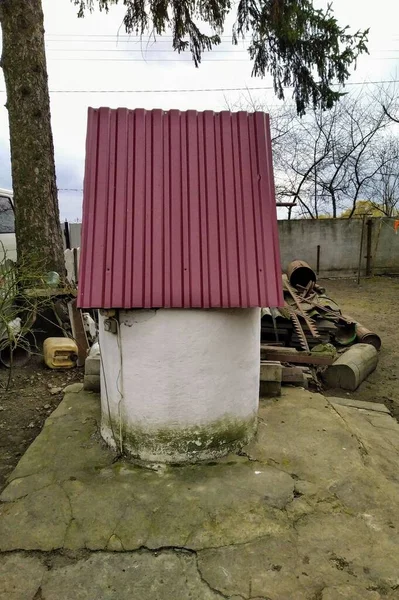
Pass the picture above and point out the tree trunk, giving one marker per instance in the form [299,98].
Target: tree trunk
[38,227]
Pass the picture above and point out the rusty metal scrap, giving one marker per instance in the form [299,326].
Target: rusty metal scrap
[309,319]
[300,273]
[307,291]
[298,328]
[309,322]
[364,335]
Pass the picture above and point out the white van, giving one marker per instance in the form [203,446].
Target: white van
[8,244]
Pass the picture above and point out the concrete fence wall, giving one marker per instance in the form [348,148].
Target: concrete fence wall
[339,241]
[72,258]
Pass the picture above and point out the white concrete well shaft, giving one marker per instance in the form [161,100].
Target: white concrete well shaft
[180,385]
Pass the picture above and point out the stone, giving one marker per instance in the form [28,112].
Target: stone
[137,576]
[294,376]
[350,592]
[92,383]
[55,390]
[77,496]
[370,406]
[43,516]
[93,365]
[301,433]
[266,567]
[269,389]
[73,388]
[20,576]
[343,547]
[270,378]
[307,511]
[270,371]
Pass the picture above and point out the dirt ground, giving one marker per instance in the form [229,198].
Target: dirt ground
[374,303]
[35,392]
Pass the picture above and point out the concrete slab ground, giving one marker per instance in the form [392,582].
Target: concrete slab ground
[308,511]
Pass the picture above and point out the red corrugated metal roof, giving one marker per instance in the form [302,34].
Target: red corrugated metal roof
[179,211]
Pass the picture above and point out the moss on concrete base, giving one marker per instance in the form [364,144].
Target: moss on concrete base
[180,444]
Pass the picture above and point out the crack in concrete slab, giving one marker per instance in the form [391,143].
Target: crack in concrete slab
[380,426]
[38,595]
[27,494]
[318,593]
[107,546]
[250,458]
[212,589]
[154,515]
[362,448]
[113,533]
[217,591]
[72,518]
[292,519]
[385,439]
[271,463]
[11,479]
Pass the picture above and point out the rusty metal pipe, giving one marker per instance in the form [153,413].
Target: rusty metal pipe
[14,357]
[300,273]
[364,335]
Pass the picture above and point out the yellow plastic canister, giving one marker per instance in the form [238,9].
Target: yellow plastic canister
[60,353]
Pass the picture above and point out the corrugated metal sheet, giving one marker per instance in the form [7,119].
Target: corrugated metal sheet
[179,211]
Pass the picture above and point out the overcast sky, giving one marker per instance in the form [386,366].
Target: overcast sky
[95,54]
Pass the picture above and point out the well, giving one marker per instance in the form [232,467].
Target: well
[179,252]
[180,385]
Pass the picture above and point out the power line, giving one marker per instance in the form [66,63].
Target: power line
[119,36]
[141,50]
[199,90]
[143,60]
[129,40]
[147,37]
[153,51]
[175,60]
[155,43]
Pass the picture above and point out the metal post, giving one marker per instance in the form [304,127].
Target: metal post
[361,249]
[369,240]
[318,260]
[67,235]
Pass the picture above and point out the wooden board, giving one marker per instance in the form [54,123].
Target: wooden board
[78,332]
[290,355]
[292,375]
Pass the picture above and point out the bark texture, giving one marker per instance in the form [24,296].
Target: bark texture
[38,228]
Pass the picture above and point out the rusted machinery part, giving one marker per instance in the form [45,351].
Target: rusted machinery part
[300,273]
[346,334]
[298,328]
[329,313]
[308,290]
[364,335]
[297,300]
